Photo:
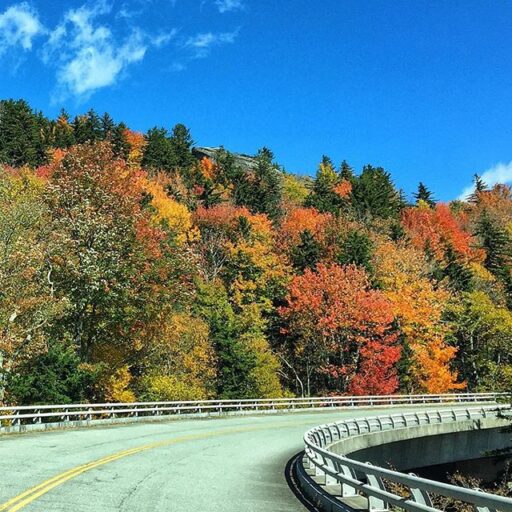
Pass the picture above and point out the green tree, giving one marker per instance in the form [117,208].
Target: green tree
[235,361]
[180,146]
[497,244]
[458,274]
[107,126]
[374,194]
[480,186]
[158,151]
[346,172]
[88,128]
[307,253]
[322,196]
[261,188]
[424,194]
[482,331]
[21,134]
[357,249]
[52,377]
[117,137]
[63,134]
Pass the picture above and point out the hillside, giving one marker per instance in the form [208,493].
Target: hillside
[141,267]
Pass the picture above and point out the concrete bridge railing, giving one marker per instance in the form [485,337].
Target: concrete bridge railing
[348,479]
[38,417]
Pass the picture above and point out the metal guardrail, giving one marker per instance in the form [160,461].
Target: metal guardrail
[358,478]
[65,413]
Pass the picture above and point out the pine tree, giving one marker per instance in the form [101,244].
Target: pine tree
[157,152]
[424,194]
[260,189]
[107,126]
[357,249]
[20,142]
[63,134]
[180,144]
[374,194]
[459,276]
[497,244]
[322,196]
[87,128]
[307,253]
[117,137]
[480,186]
[346,172]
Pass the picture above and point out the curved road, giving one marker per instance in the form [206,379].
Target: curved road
[207,465]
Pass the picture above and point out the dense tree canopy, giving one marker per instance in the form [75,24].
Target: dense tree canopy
[130,269]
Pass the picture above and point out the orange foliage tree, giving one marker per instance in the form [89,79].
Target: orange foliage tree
[299,220]
[436,229]
[418,307]
[340,329]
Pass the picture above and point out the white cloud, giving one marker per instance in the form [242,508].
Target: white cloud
[19,24]
[499,173]
[202,43]
[229,5]
[88,55]
[163,38]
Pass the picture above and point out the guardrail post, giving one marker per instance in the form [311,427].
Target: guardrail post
[346,489]
[484,509]
[318,470]
[331,466]
[16,422]
[420,496]
[37,417]
[376,504]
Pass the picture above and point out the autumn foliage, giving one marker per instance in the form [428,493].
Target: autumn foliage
[130,269]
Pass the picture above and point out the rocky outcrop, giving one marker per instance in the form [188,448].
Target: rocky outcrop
[244,161]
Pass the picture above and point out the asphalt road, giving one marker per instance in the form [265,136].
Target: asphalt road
[206,465]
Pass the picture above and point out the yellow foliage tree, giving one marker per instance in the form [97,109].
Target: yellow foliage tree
[180,359]
[418,307]
[169,213]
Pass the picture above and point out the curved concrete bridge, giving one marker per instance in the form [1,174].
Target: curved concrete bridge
[224,464]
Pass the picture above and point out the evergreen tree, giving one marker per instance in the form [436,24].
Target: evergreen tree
[157,152]
[230,173]
[396,231]
[424,194]
[20,137]
[63,134]
[322,196]
[357,249]
[87,128]
[117,137]
[56,376]
[235,361]
[43,138]
[107,126]
[374,194]
[346,172]
[459,276]
[260,189]
[180,144]
[480,186]
[497,244]
[307,253]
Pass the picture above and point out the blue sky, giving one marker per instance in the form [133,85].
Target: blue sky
[421,87]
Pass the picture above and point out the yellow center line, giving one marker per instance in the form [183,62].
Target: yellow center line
[25,498]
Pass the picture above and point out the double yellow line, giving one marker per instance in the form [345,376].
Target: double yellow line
[32,494]
[28,496]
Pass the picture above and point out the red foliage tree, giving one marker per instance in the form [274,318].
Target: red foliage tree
[342,329]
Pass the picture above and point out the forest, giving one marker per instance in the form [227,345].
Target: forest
[131,269]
